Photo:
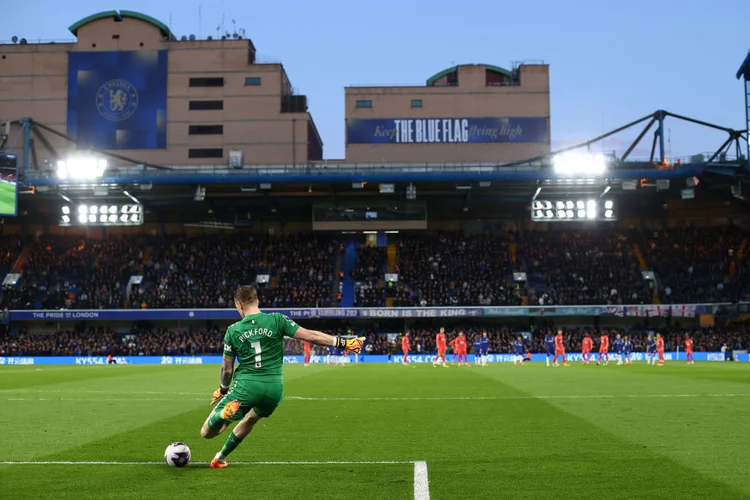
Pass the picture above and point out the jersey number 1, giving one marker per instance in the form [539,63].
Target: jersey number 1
[256,347]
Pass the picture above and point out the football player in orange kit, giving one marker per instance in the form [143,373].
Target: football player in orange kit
[660,348]
[559,348]
[586,348]
[442,348]
[459,348]
[405,347]
[689,349]
[308,353]
[603,349]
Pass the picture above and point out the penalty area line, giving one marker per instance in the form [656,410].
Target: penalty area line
[421,481]
[354,462]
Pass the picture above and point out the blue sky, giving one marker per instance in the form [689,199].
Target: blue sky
[610,62]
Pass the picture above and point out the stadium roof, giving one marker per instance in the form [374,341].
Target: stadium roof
[744,68]
[437,76]
[119,16]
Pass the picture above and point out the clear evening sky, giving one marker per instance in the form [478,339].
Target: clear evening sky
[610,62]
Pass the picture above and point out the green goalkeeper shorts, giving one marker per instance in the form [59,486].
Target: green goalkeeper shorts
[263,397]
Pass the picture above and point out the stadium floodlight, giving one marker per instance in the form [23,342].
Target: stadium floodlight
[579,164]
[102,215]
[84,167]
[572,210]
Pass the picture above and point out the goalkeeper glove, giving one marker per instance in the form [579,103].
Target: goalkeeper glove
[218,394]
[350,345]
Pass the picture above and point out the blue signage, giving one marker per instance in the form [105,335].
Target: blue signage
[118,100]
[676,310]
[445,130]
[379,358]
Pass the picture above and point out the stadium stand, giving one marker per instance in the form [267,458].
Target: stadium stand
[579,268]
[692,265]
[163,342]
[455,269]
[368,275]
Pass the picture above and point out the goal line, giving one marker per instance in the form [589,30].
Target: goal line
[421,480]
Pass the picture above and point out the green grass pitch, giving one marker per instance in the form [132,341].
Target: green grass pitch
[7,198]
[484,432]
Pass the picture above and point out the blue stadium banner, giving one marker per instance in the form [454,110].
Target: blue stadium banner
[351,358]
[118,100]
[676,310]
[445,130]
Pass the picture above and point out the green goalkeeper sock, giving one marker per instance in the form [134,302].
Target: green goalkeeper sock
[216,421]
[232,443]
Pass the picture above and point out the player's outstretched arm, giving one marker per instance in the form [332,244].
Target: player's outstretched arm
[320,338]
[227,370]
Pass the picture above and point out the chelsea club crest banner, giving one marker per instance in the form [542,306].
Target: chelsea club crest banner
[118,100]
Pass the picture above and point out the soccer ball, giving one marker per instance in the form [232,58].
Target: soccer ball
[177,455]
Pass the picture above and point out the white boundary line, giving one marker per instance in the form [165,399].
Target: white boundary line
[421,481]
[447,398]
[373,462]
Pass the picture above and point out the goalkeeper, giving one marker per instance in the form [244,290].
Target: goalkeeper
[257,341]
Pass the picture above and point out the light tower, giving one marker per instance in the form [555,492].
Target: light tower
[744,73]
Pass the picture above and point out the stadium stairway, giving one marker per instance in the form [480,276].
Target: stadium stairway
[643,265]
[336,288]
[23,257]
[392,253]
[737,256]
[350,260]
[641,259]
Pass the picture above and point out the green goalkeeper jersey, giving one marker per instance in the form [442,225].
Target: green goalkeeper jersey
[258,343]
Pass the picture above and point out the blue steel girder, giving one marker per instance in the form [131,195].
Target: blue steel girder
[638,171]
[526,170]
[744,74]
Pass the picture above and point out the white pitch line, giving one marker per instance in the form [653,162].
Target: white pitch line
[354,462]
[421,481]
[447,398]
[481,398]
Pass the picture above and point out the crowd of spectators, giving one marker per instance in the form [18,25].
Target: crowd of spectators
[455,269]
[75,273]
[303,268]
[693,263]
[172,342]
[564,267]
[422,340]
[103,341]
[368,274]
[80,273]
[10,248]
[577,268]
[197,272]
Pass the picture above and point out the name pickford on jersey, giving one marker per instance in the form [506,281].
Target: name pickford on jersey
[258,343]
[254,333]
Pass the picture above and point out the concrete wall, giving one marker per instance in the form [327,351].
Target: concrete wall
[34,83]
[476,95]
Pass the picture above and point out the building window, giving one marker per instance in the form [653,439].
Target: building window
[364,104]
[206,153]
[416,103]
[206,105]
[207,82]
[252,80]
[206,129]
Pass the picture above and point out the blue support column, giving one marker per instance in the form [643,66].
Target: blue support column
[660,131]
[26,127]
[744,74]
